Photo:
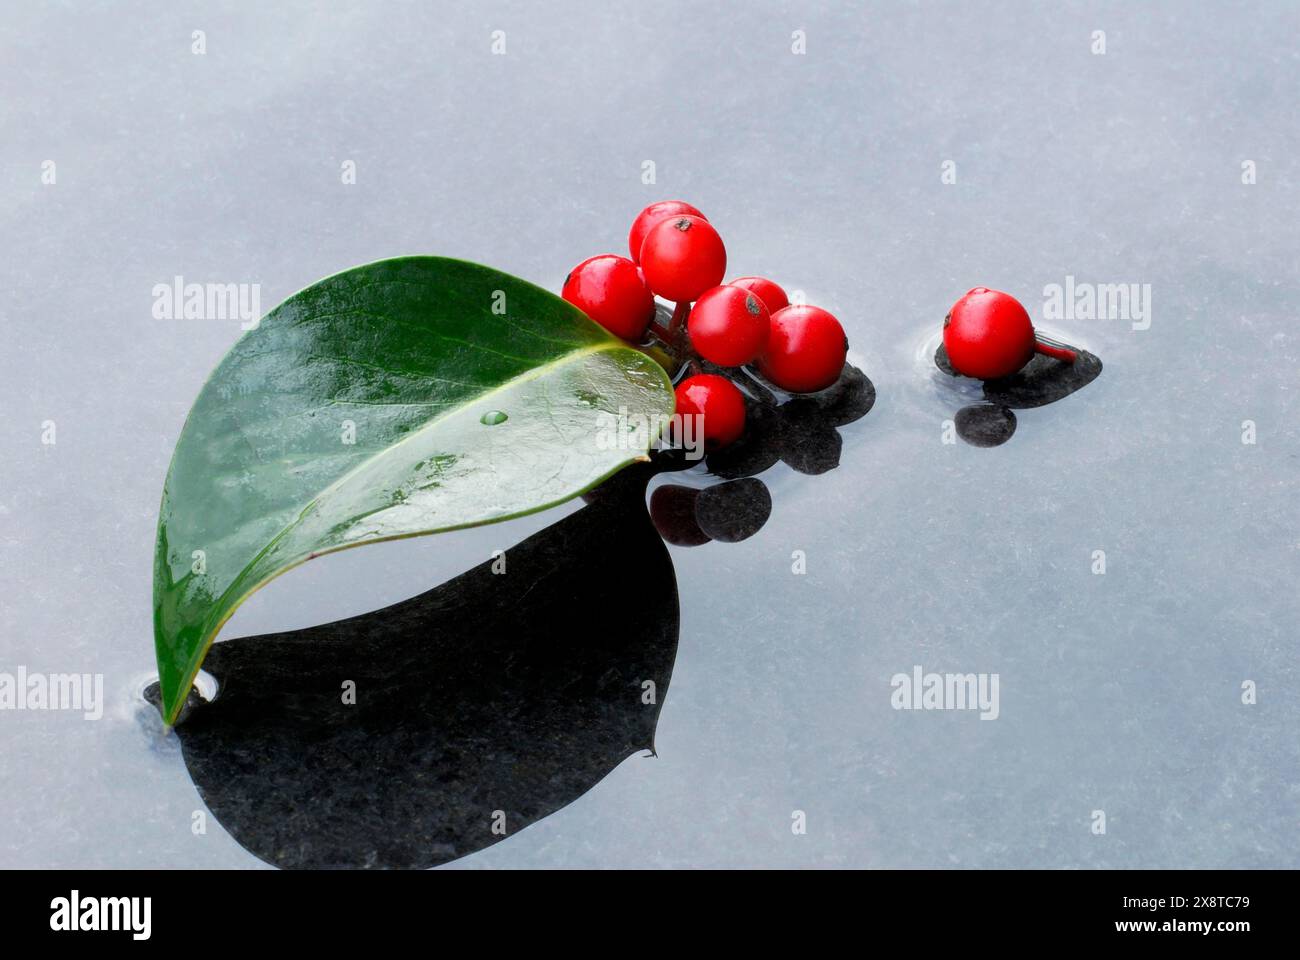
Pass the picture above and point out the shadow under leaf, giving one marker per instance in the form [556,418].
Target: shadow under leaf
[488,702]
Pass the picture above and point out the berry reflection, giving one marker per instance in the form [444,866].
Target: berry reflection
[728,503]
[990,421]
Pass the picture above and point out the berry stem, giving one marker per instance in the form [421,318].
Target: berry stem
[665,348]
[660,332]
[678,322]
[676,338]
[1055,349]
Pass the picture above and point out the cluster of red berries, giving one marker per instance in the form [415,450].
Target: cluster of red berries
[678,255]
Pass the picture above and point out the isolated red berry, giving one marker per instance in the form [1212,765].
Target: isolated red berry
[682,257]
[773,296]
[805,350]
[718,402]
[651,215]
[612,291]
[728,326]
[988,334]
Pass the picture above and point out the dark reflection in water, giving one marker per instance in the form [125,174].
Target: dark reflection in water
[985,424]
[728,512]
[497,698]
[801,431]
[512,692]
[734,510]
[1041,381]
[672,508]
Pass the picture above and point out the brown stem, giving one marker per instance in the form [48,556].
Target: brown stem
[680,313]
[660,332]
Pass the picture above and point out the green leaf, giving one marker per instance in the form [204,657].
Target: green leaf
[468,396]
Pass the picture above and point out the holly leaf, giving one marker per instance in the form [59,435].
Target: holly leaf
[401,398]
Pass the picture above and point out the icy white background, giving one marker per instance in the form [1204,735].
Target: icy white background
[1119,692]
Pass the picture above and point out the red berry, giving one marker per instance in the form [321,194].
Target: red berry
[651,215]
[682,257]
[728,326]
[612,291]
[720,405]
[988,335]
[805,351]
[773,296]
